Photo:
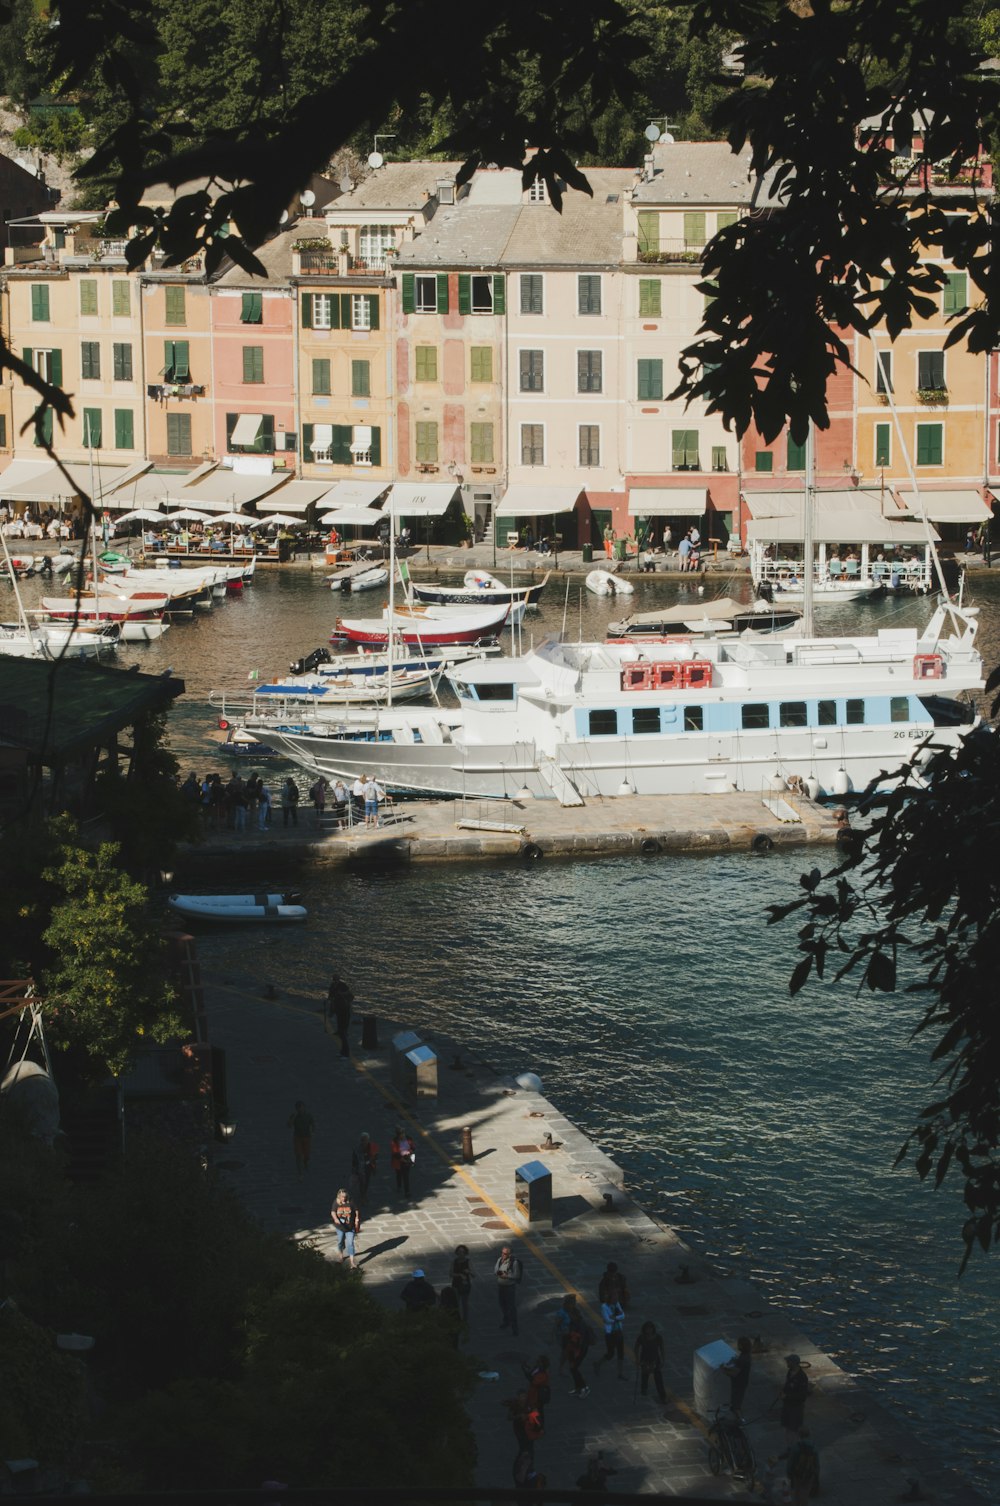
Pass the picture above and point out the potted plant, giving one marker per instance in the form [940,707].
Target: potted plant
[468,526]
[932,396]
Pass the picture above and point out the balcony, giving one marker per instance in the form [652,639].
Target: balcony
[678,250]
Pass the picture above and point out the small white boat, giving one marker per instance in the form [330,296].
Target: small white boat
[239,908]
[603,583]
[359,577]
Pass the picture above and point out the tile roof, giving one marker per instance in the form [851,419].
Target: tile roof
[397,185]
[274,255]
[700,172]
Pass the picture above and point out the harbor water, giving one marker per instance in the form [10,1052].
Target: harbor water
[763,1128]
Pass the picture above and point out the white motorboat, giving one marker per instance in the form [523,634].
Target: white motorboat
[425,627]
[359,577]
[699,619]
[478,588]
[791,591]
[238,909]
[603,583]
[51,640]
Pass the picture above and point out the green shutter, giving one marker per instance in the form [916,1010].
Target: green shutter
[763,461]
[307,311]
[124,429]
[346,314]
[649,231]
[725,217]
[372,310]
[307,437]
[46,436]
[481,444]
[182,367]
[334,303]
[651,379]
[253,308]
[340,446]
[265,436]
[956,295]
[121,298]
[168,360]
[930,446]
[376,450]
[175,305]
[694,228]
[720,461]
[650,304]
[796,457]
[28,357]
[464,293]
[178,434]
[92,428]
[88,295]
[499,293]
[253,363]
[321,377]
[426,363]
[883,444]
[39,303]
[481,369]
[409,293]
[361,383]
[122,367]
[442,292]
[55,368]
[90,361]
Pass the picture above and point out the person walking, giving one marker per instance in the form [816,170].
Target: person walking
[576,1345]
[402,1156]
[539,1392]
[263,806]
[613,1315]
[301,1124]
[508,1271]
[461,1280]
[613,1285]
[649,1359]
[318,797]
[290,802]
[738,1371]
[373,794]
[340,998]
[347,1226]
[793,1398]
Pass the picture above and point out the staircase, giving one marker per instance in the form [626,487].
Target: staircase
[558,781]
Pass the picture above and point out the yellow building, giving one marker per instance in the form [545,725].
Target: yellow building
[177,341]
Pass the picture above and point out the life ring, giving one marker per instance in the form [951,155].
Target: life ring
[649,845]
[761,844]
[531,851]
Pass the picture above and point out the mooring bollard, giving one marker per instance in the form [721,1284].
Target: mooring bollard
[468,1154]
[369,1032]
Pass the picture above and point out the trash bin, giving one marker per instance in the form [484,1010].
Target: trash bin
[620,549]
[711,1384]
[402,1042]
[533,1192]
[588,554]
[421,1068]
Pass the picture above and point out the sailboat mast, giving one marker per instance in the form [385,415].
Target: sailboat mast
[392,596]
[809,500]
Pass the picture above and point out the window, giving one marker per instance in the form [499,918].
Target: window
[426,294]
[532,301]
[902,143]
[481,293]
[883,444]
[253,364]
[176,365]
[930,444]
[255,436]
[121,298]
[481,364]
[321,377]
[694,229]
[532,371]
[650,299]
[92,428]
[930,370]
[646,719]
[376,243]
[684,450]
[796,457]
[252,311]
[48,364]
[322,310]
[603,723]
[763,461]
[39,303]
[361,311]
[45,437]
[899,708]
[720,460]
[537,193]
[883,371]
[694,718]
[175,306]
[756,717]
[649,231]
[588,293]
[426,289]
[427,443]
[481,443]
[361,381]
[90,360]
[855,710]
[650,379]
[3,431]
[826,713]
[178,434]
[590,444]
[88,295]
[124,429]
[341,444]
[725,218]
[426,363]
[532,444]
[121,359]
[589,371]
[956,293]
[793,714]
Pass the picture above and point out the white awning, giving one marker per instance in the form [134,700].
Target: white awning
[353,517]
[416,499]
[36,481]
[296,496]
[322,437]
[962,505]
[831,527]
[18,475]
[526,501]
[667,501]
[248,426]
[362,440]
[355,493]
[225,489]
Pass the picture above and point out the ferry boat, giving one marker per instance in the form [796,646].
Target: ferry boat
[574,721]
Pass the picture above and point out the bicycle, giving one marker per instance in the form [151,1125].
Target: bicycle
[730,1447]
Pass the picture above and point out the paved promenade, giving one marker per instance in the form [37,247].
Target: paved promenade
[278,1051]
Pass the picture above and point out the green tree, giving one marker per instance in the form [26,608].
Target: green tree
[144,807]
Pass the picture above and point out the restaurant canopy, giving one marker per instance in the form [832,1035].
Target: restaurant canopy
[667,501]
[156,488]
[31,481]
[296,497]
[960,505]
[224,490]
[353,517]
[355,493]
[421,499]
[526,501]
[849,516]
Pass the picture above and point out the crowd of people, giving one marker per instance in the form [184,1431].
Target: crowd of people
[240,805]
[44,524]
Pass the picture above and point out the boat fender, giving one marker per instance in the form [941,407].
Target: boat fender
[762,844]
[531,851]
[649,845]
[223,724]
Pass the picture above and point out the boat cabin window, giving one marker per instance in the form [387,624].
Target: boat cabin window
[793,714]
[855,713]
[603,723]
[827,713]
[899,708]
[488,691]
[756,716]
[694,718]
[646,719]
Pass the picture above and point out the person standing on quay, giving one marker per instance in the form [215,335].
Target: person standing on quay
[793,1398]
[290,802]
[508,1271]
[368,1158]
[339,1001]
[263,806]
[301,1123]
[739,1375]
[614,1335]
[402,1155]
[461,1280]
[649,1359]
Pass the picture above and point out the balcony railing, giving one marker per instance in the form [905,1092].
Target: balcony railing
[672,250]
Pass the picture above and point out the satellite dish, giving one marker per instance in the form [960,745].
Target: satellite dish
[284,217]
[652,132]
[667,138]
[307,197]
[375,159]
